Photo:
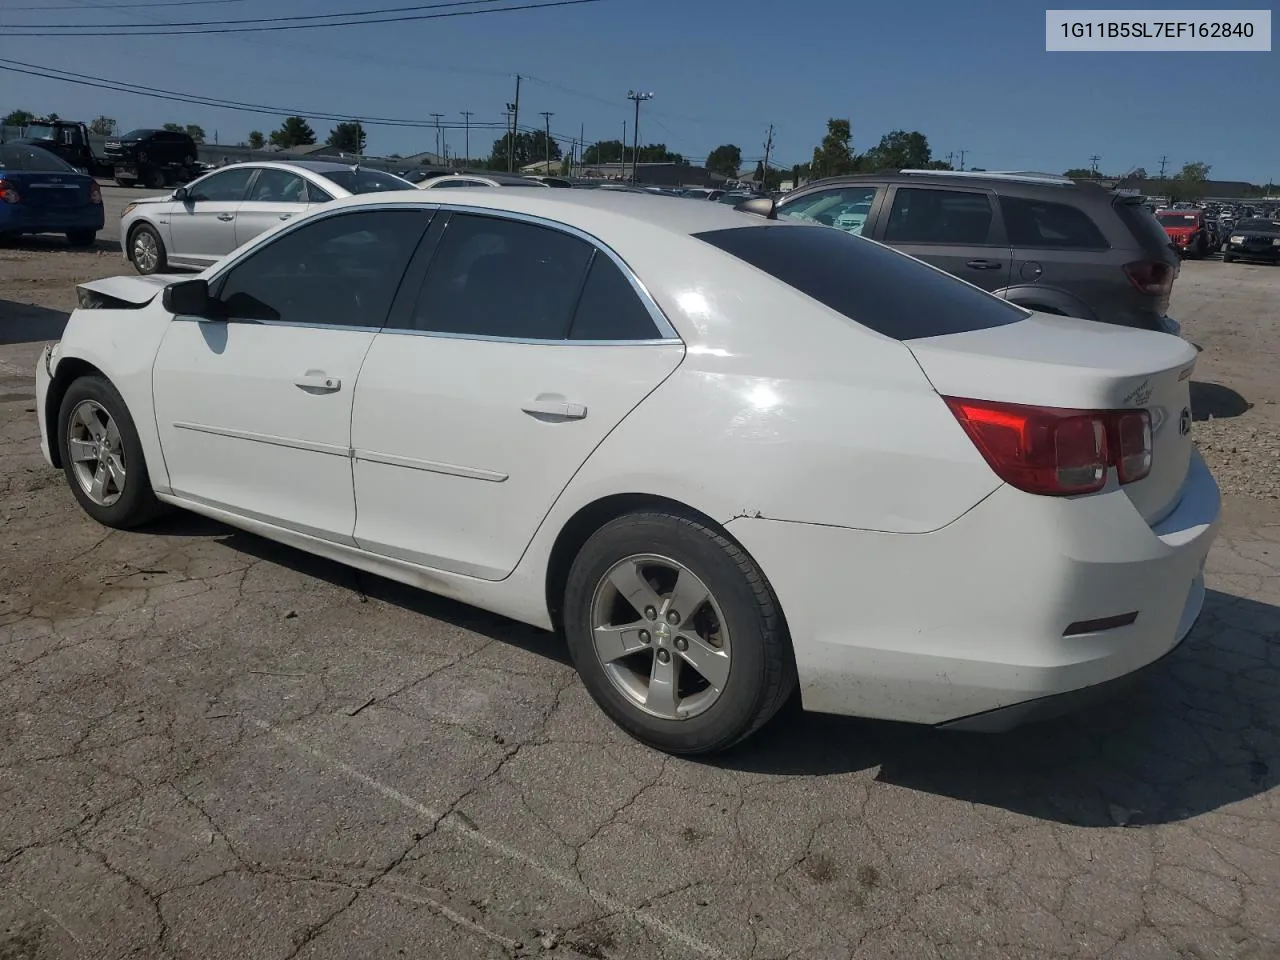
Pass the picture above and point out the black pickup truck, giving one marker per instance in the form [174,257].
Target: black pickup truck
[152,158]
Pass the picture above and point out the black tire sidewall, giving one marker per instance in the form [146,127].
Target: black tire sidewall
[137,504]
[736,712]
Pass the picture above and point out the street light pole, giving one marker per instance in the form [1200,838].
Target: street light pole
[547,115]
[635,145]
[436,117]
[467,120]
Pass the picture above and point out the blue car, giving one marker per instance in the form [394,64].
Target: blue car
[41,193]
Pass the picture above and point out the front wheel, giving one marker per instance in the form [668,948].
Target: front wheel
[146,250]
[102,455]
[676,633]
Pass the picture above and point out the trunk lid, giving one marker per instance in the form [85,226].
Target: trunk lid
[49,189]
[1063,362]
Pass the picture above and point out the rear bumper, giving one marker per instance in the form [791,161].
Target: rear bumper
[20,219]
[985,613]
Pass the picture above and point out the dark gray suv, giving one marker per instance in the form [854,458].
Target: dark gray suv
[1043,242]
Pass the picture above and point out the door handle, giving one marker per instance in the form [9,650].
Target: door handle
[285,216]
[315,381]
[226,217]
[561,409]
[984,264]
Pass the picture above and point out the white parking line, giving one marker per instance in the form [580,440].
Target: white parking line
[563,880]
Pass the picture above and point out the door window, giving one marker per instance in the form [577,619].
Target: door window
[228,186]
[939,216]
[276,186]
[492,277]
[846,208]
[1034,223]
[610,308]
[339,271]
[317,195]
[447,184]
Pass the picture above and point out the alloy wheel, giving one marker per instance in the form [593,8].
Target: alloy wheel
[146,254]
[660,636]
[96,451]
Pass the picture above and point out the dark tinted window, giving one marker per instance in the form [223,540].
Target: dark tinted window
[366,181]
[140,134]
[610,308]
[317,195]
[1270,226]
[502,278]
[20,156]
[225,187]
[276,186]
[938,216]
[343,270]
[1143,225]
[450,184]
[1034,223]
[872,285]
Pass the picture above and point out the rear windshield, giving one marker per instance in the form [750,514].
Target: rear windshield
[366,181]
[1142,223]
[872,285]
[20,156]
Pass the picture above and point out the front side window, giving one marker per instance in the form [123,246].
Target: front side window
[342,270]
[492,277]
[1034,223]
[846,208]
[227,186]
[939,216]
[276,186]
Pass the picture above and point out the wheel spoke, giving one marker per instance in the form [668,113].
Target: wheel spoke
[663,681]
[113,434]
[99,485]
[116,469]
[612,642]
[635,589]
[687,596]
[82,450]
[712,664]
[88,418]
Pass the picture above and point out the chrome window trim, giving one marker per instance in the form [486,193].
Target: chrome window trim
[667,332]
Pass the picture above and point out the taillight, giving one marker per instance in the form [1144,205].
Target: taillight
[95,194]
[1055,451]
[9,192]
[1150,276]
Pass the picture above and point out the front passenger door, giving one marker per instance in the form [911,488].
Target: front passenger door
[852,208]
[202,228]
[956,230]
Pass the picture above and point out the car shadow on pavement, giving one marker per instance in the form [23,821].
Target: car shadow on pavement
[1195,733]
[1216,401]
[48,243]
[27,323]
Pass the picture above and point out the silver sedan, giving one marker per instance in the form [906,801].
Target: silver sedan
[199,224]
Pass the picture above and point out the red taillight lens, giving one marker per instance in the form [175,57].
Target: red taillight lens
[1054,451]
[95,194]
[9,192]
[1150,276]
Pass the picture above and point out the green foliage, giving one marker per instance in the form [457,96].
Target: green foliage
[530,147]
[725,160]
[18,118]
[611,151]
[898,150]
[1078,173]
[102,126]
[193,130]
[349,138]
[834,156]
[257,140]
[294,132]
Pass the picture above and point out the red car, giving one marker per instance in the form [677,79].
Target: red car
[1188,231]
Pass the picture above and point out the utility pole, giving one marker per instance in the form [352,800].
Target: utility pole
[639,98]
[515,128]
[547,115]
[768,148]
[622,167]
[1164,162]
[582,145]
[1093,164]
[949,158]
[436,117]
[510,138]
[466,114]
[962,153]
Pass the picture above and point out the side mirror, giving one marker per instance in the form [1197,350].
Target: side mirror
[181,194]
[187,298]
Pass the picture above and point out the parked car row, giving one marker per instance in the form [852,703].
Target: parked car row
[982,511]
[1196,234]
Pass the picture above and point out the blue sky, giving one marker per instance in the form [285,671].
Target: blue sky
[969,76]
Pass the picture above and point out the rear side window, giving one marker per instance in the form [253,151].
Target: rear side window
[1144,226]
[939,216]
[1035,223]
[609,308]
[874,286]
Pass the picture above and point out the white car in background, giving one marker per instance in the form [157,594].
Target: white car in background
[198,224]
[453,181]
[728,456]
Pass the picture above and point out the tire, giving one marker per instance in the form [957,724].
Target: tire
[146,250]
[123,183]
[82,238]
[122,504]
[153,178]
[754,659]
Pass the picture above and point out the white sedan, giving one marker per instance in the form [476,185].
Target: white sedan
[729,457]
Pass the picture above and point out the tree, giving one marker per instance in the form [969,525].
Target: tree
[530,148]
[256,140]
[725,160]
[1079,173]
[834,156]
[1188,183]
[294,132]
[18,118]
[102,126]
[898,150]
[193,130]
[605,151]
[348,137]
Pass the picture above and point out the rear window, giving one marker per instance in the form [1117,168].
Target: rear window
[872,285]
[1040,224]
[366,181]
[20,156]
[1142,223]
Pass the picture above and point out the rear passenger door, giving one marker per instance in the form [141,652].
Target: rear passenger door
[956,230]
[1057,249]
[274,196]
[518,350]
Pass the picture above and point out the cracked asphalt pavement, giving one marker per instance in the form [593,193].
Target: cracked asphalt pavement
[214,746]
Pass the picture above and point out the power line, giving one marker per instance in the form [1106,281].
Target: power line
[149,32]
[230,23]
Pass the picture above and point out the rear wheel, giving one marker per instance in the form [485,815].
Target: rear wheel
[82,238]
[676,633]
[153,178]
[102,455]
[146,250]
